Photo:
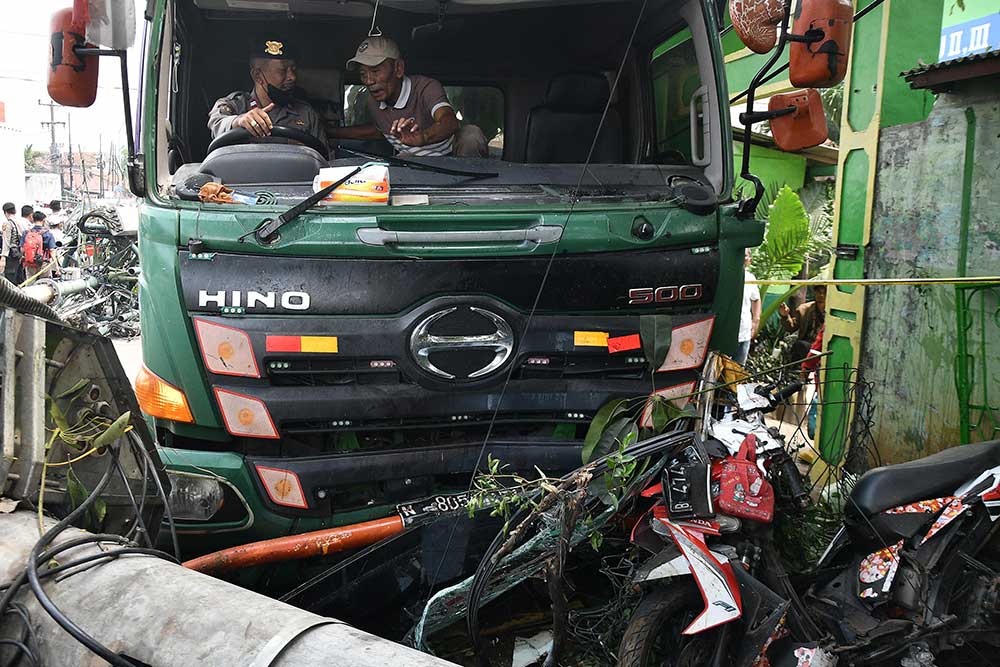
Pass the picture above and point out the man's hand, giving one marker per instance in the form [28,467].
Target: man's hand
[783,309]
[256,121]
[408,132]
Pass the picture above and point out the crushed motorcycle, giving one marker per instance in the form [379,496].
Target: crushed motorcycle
[914,566]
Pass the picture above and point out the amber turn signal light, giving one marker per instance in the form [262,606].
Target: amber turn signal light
[159,398]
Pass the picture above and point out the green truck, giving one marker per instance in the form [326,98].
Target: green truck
[366,356]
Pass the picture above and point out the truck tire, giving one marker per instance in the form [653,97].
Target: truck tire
[653,636]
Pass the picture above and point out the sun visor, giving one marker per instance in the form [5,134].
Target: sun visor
[110,23]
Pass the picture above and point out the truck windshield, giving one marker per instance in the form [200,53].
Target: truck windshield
[527,91]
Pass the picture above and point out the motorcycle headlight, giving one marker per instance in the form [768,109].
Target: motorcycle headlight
[194,497]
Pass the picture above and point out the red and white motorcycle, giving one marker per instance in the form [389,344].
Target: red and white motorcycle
[915,567]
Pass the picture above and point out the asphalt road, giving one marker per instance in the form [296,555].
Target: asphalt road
[130,354]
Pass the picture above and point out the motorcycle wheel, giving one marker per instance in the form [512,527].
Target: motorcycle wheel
[653,637]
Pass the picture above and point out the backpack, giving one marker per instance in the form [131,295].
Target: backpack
[33,248]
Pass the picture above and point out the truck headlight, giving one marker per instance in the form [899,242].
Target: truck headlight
[194,497]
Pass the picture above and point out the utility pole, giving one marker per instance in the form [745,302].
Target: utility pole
[84,192]
[100,164]
[69,148]
[53,147]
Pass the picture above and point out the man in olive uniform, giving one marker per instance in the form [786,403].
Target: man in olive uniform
[273,100]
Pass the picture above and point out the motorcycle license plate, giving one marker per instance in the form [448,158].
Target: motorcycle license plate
[686,484]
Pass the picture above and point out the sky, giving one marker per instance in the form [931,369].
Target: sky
[25,39]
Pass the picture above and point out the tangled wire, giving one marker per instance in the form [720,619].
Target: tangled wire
[98,247]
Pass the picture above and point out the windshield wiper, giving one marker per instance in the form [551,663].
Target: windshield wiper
[267,231]
[400,162]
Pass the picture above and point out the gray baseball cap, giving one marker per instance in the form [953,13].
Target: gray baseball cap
[373,51]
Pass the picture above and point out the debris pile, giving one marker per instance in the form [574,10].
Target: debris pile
[97,288]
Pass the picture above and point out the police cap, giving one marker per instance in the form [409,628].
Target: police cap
[273,46]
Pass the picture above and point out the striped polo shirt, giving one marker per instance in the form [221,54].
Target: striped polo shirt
[419,98]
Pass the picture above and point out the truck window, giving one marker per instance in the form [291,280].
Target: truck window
[675,79]
[477,105]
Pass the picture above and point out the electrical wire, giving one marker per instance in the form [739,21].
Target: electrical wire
[140,525]
[43,598]
[41,554]
[159,487]
[541,288]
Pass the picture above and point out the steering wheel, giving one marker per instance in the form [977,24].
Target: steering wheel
[238,135]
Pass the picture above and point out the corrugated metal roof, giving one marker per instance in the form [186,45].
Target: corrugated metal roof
[948,64]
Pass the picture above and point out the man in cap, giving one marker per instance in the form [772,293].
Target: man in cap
[412,112]
[10,237]
[273,100]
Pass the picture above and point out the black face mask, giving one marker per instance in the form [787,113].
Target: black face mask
[279,96]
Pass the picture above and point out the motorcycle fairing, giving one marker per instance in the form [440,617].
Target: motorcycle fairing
[669,562]
[716,581]
[839,541]
[876,572]
[764,613]
[986,487]
[922,507]
[950,513]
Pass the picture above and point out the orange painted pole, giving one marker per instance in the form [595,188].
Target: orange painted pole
[294,547]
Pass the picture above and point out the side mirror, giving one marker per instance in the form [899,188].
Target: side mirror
[820,61]
[800,121]
[72,79]
[756,22]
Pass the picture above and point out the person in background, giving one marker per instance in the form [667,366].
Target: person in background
[10,256]
[806,320]
[750,315]
[810,367]
[55,223]
[25,222]
[37,246]
[57,217]
[410,111]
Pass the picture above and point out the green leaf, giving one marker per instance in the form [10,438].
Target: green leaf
[98,512]
[788,239]
[654,331]
[80,385]
[113,432]
[612,436]
[596,540]
[665,413]
[58,418]
[77,491]
[78,494]
[599,424]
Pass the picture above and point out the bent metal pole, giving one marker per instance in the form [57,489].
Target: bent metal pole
[294,547]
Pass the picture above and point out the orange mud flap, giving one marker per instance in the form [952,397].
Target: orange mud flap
[296,547]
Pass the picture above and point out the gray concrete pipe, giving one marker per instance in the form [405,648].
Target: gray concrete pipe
[168,616]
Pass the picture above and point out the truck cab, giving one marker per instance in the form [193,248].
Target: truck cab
[368,355]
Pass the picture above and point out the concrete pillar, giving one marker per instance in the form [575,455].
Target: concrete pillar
[166,615]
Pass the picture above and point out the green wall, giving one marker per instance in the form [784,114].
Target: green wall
[773,167]
[908,350]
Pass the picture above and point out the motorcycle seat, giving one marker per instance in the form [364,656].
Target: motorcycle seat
[933,476]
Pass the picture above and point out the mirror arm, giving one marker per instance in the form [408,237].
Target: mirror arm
[747,207]
[811,36]
[134,168]
[761,116]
